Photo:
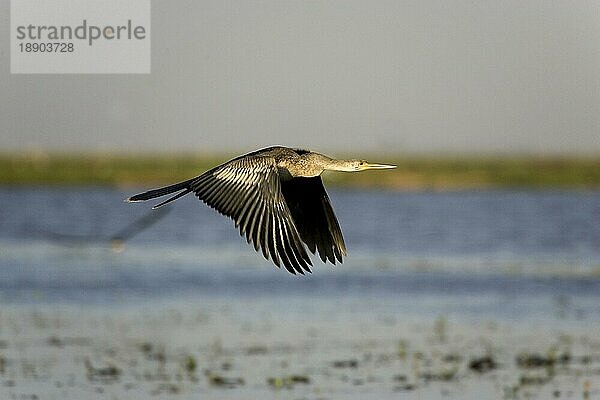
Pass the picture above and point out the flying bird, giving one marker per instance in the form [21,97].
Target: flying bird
[277,200]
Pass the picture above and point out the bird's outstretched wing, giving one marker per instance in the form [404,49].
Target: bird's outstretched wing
[315,220]
[248,190]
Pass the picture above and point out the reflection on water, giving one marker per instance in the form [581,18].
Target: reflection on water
[467,252]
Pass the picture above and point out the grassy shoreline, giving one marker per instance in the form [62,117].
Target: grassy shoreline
[413,172]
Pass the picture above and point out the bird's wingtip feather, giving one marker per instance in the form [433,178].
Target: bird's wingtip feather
[133,199]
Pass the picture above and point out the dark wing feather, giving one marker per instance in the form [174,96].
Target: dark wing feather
[315,220]
[248,190]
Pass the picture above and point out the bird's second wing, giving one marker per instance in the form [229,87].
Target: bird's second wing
[314,216]
[248,190]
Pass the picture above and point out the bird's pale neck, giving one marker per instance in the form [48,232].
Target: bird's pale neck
[305,165]
[320,163]
[343,165]
[313,164]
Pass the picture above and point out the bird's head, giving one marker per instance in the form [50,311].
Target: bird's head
[361,165]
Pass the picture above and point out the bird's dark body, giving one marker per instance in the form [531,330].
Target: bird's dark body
[277,200]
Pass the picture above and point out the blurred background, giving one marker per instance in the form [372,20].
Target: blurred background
[396,77]
[481,248]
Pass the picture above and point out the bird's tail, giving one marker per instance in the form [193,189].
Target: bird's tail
[182,187]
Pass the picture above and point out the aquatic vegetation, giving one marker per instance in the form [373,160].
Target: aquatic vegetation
[440,329]
[443,375]
[402,349]
[190,365]
[166,388]
[483,364]
[345,363]
[107,374]
[223,381]
[288,381]
[413,172]
[534,360]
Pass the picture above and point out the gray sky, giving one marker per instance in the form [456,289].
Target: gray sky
[345,76]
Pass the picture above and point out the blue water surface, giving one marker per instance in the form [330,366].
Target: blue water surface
[514,254]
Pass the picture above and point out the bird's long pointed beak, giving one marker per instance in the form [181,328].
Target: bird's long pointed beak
[377,166]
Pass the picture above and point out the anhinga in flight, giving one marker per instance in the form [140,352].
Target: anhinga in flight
[277,200]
